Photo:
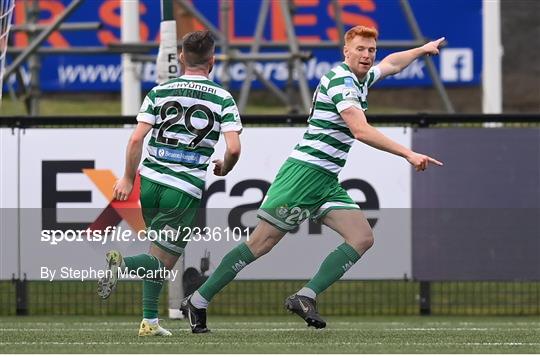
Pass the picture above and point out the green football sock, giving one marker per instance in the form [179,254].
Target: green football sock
[232,263]
[333,267]
[150,301]
[151,287]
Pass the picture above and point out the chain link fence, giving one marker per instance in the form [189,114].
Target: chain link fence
[266,297]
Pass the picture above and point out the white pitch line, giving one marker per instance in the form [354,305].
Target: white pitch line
[162,342]
[277,329]
[382,323]
[274,323]
[291,323]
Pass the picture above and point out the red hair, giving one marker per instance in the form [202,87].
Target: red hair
[362,31]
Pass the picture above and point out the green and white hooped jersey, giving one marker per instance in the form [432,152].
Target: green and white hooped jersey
[187,114]
[328,140]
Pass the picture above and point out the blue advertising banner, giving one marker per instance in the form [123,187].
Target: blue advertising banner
[459,63]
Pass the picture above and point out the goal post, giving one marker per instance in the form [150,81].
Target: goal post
[131,81]
[167,67]
[6,14]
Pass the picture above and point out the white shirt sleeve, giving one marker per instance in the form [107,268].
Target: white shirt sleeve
[374,75]
[230,117]
[146,112]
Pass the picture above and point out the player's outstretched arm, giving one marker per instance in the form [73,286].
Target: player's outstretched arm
[123,186]
[364,132]
[397,61]
[232,154]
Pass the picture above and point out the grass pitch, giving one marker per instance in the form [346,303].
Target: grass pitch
[279,334]
[110,105]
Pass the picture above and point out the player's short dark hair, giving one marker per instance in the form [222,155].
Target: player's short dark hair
[198,48]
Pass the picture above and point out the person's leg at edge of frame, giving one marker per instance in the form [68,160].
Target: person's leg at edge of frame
[262,240]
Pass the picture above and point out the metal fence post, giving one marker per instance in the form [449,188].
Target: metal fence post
[425,298]
[21,294]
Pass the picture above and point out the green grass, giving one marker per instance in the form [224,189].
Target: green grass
[64,106]
[102,105]
[279,334]
[99,106]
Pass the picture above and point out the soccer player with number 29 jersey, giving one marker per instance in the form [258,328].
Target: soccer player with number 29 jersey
[186,116]
[307,184]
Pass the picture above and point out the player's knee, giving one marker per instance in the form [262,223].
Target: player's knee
[261,247]
[369,241]
[263,239]
[362,242]
[166,259]
[170,265]
[169,262]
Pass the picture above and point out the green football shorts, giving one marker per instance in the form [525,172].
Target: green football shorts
[169,215]
[300,191]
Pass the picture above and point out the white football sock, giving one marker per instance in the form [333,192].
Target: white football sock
[198,301]
[151,320]
[308,292]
